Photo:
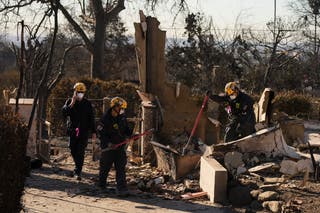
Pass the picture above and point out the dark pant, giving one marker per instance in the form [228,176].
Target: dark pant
[119,158]
[235,131]
[77,147]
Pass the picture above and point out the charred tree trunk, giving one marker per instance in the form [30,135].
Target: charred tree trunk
[99,39]
[48,69]
[102,17]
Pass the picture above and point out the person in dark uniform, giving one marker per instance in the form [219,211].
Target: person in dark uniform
[112,130]
[80,123]
[239,107]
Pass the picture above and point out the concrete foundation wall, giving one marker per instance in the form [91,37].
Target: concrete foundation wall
[213,179]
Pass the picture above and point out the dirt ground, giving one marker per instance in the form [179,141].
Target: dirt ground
[301,199]
[51,189]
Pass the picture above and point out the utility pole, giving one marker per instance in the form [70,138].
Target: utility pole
[315,35]
[315,6]
[21,66]
[274,20]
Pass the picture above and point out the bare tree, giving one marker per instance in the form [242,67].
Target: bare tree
[98,13]
[40,72]
[308,11]
[270,50]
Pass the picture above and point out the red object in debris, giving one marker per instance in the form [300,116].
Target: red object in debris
[193,195]
[196,122]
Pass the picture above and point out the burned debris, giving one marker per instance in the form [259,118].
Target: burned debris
[177,152]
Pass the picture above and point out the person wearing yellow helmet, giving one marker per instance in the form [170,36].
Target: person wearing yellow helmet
[80,122]
[239,107]
[231,90]
[118,104]
[79,87]
[112,130]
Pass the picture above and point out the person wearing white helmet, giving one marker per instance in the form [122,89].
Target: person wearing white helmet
[239,107]
[80,122]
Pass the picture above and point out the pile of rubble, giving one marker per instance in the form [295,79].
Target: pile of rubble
[253,171]
[148,179]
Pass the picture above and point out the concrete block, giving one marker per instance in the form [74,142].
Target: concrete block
[232,160]
[213,179]
[262,109]
[305,165]
[269,141]
[293,130]
[289,167]
[313,138]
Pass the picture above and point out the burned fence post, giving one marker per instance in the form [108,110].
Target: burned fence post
[148,116]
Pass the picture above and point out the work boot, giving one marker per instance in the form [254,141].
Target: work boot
[123,193]
[70,174]
[100,185]
[77,174]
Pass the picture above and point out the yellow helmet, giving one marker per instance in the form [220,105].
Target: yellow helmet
[231,88]
[80,87]
[117,101]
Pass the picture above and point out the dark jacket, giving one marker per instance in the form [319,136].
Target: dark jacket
[113,130]
[81,116]
[240,110]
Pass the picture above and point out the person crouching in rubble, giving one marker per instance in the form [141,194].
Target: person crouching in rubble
[112,130]
[80,121]
[239,107]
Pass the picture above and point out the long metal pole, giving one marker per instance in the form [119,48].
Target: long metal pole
[274,20]
[315,35]
[21,67]
[315,45]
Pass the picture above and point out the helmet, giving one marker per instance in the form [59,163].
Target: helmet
[117,101]
[80,87]
[231,88]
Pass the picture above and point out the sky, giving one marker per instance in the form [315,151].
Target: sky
[224,13]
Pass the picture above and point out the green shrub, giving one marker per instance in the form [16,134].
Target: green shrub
[96,91]
[13,167]
[293,103]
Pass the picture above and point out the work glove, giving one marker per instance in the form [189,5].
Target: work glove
[111,146]
[208,92]
[239,129]
[134,137]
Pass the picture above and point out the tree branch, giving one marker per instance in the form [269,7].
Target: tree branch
[88,19]
[19,4]
[48,67]
[62,66]
[115,11]
[76,27]
[47,13]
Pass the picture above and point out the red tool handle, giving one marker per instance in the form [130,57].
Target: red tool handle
[135,137]
[199,115]
[205,100]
